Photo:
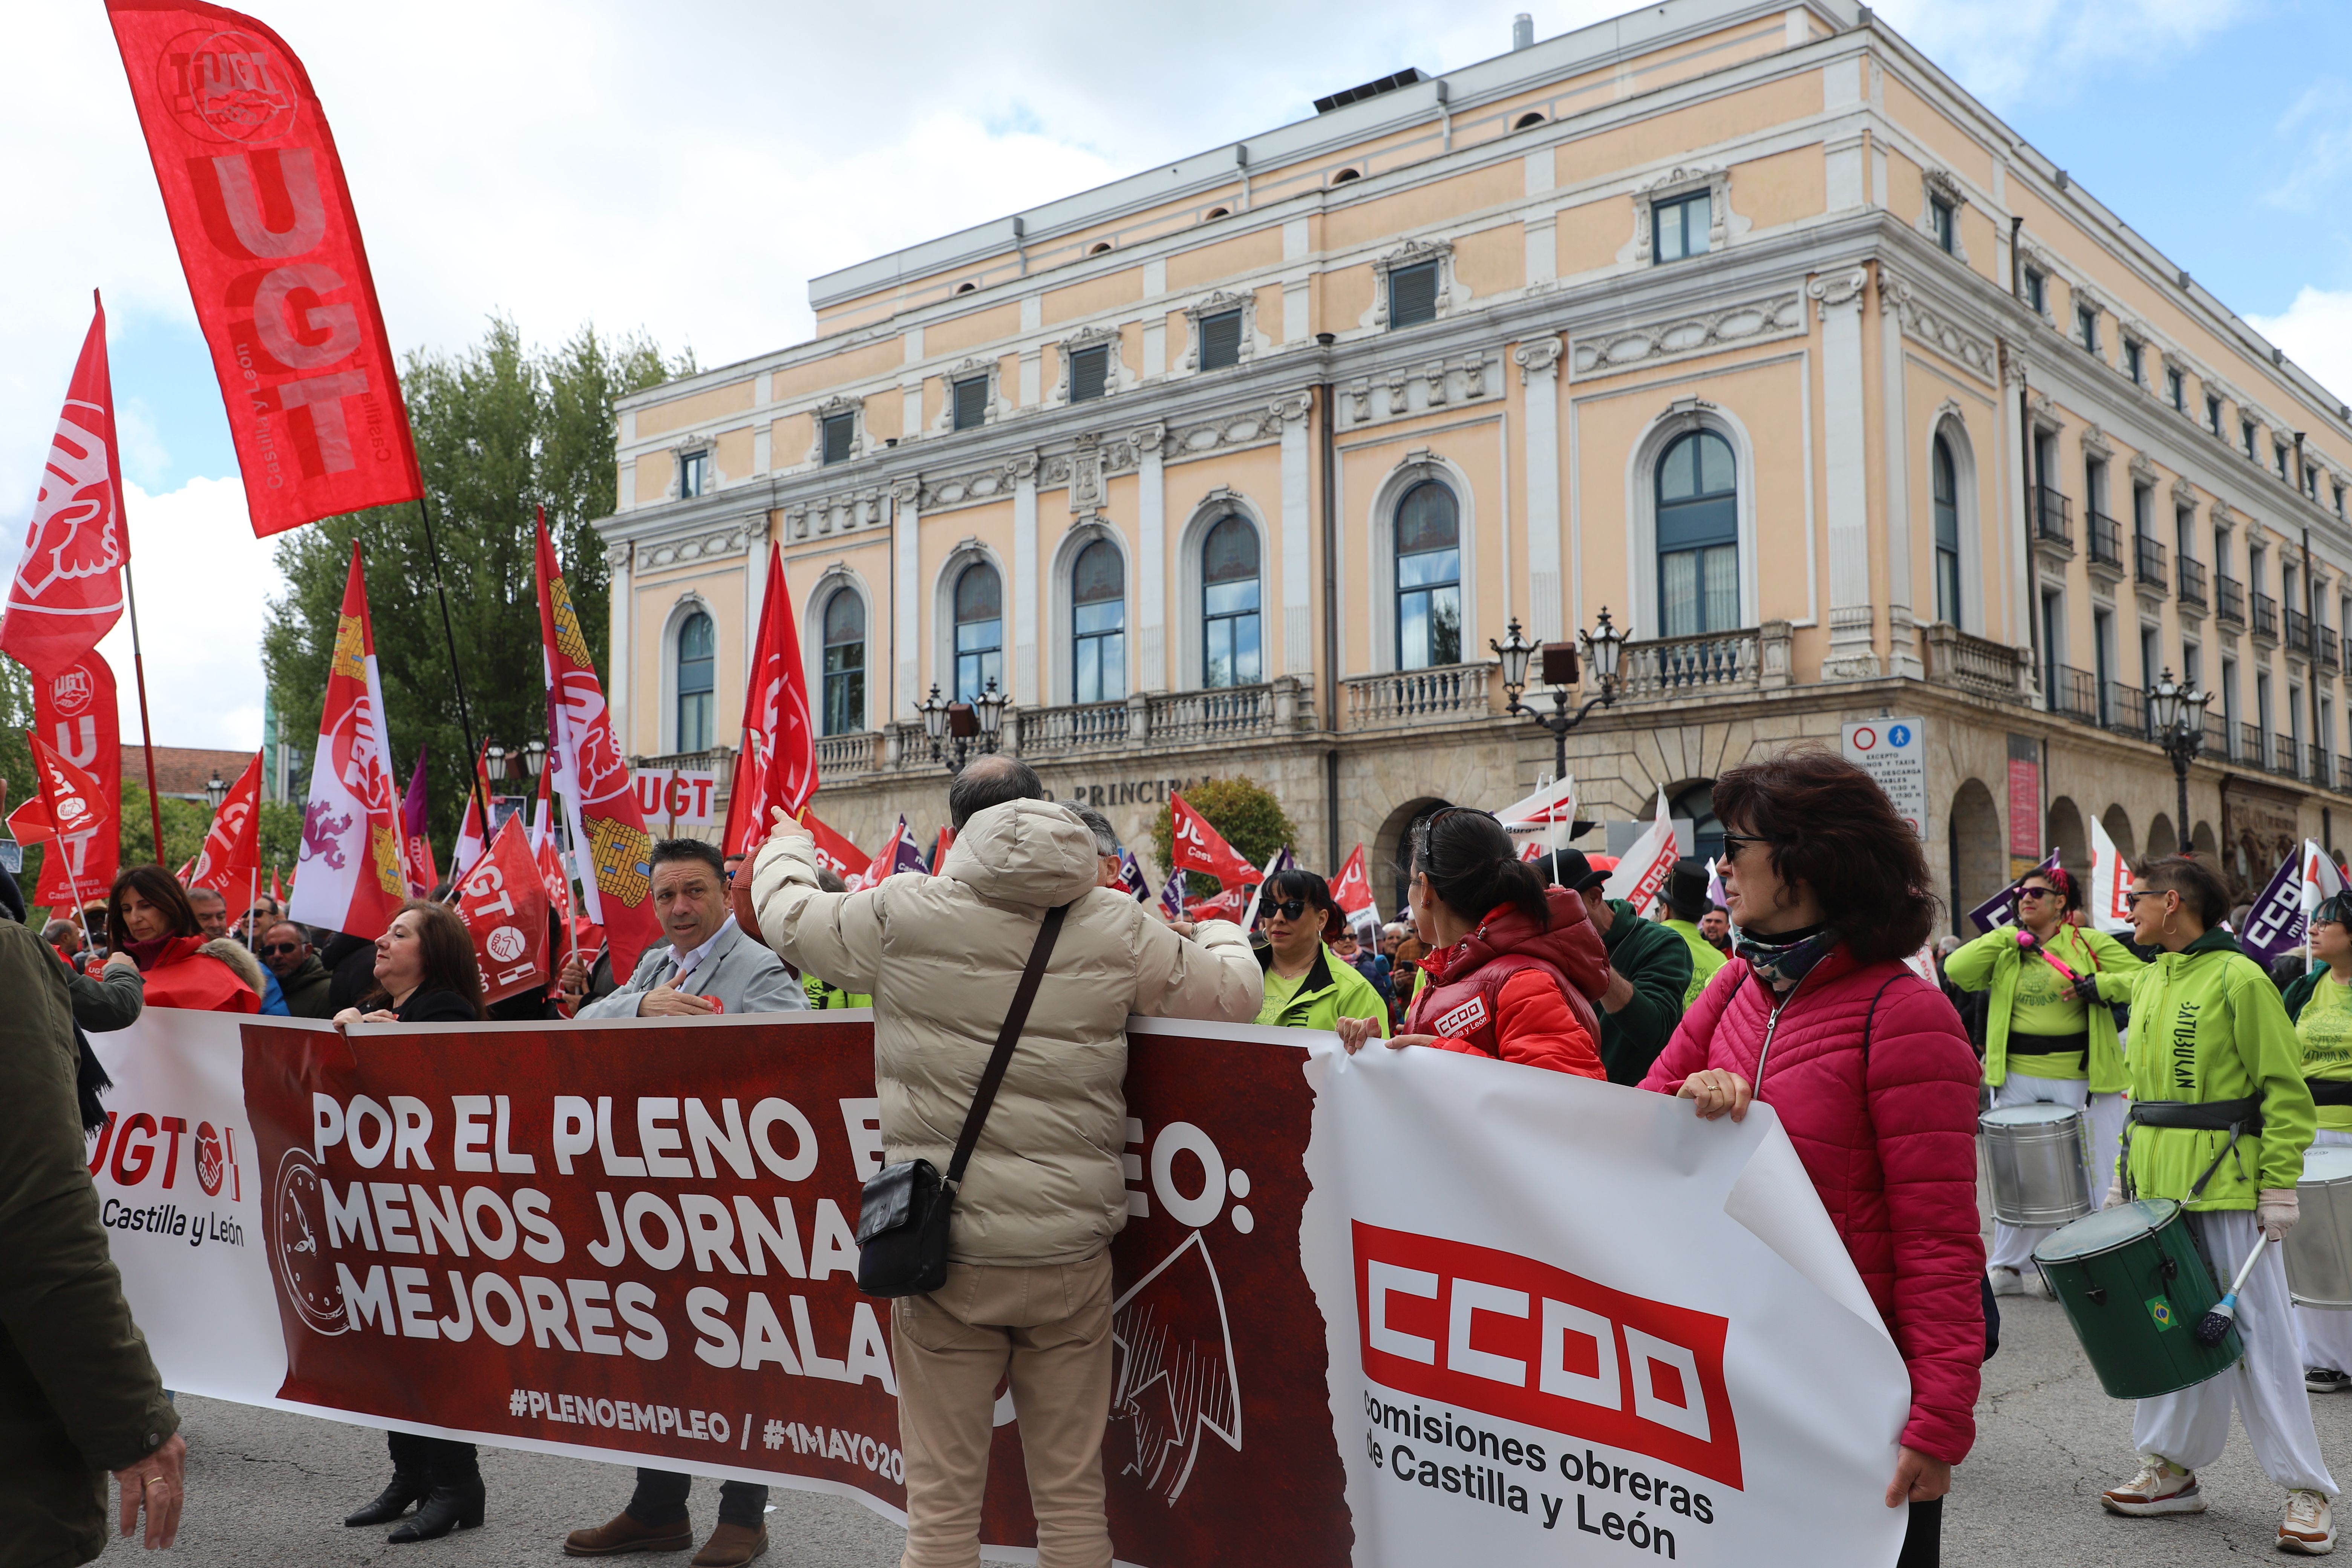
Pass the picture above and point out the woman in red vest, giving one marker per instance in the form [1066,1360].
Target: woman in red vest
[1512,966]
[151,918]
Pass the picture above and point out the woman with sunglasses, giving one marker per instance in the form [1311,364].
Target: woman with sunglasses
[2050,1038]
[2219,1120]
[2319,1004]
[1306,986]
[1513,965]
[1868,1069]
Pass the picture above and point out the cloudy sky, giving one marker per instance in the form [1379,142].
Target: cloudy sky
[684,171]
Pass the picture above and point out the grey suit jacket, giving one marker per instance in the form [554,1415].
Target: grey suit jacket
[740,973]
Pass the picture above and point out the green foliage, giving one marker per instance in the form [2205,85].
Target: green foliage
[18,784]
[185,822]
[501,429]
[1245,811]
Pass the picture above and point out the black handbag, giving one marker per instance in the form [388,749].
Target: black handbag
[903,1212]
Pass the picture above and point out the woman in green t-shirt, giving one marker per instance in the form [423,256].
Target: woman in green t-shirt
[1306,986]
[2321,1006]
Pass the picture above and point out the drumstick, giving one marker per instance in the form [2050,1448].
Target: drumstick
[2215,1325]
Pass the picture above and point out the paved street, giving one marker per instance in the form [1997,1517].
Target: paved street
[270,1488]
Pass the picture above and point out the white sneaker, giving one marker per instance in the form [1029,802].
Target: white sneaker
[2309,1527]
[2161,1487]
[2006,1281]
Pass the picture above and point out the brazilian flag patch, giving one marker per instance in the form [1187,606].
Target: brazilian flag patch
[2159,1309]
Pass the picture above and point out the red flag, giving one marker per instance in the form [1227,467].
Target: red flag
[231,857]
[350,878]
[1229,905]
[835,851]
[74,711]
[272,252]
[616,886]
[276,889]
[504,905]
[1353,890]
[416,843]
[1200,848]
[778,767]
[69,587]
[73,800]
[939,854]
[473,833]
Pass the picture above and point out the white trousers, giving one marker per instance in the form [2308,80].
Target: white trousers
[2190,1428]
[2326,1333]
[2013,1244]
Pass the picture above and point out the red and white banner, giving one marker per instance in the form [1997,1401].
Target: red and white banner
[230,860]
[1352,890]
[1643,869]
[352,877]
[777,770]
[1347,1328]
[680,797]
[74,711]
[68,590]
[255,190]
[503,903]
[2108,904]
[74,811]
[1198,846]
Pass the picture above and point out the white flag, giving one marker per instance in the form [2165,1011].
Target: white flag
[2109,902]
[1643,869]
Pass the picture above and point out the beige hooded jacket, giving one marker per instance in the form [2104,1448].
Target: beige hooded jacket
[942,955]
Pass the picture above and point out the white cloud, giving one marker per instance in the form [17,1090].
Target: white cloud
[2001,49]
[2316,331]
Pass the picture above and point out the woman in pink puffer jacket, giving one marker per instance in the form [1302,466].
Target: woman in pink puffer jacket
[1868,1069]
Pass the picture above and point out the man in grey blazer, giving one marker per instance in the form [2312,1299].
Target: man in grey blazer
[708,966]
[708,960]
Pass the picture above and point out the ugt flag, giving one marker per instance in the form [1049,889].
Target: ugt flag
[1352,891]
[503,903]
[68,590]
[270,245]
[778,766]
[74,711]
[350,877]
[75,808]
[230,860]
[1197,846]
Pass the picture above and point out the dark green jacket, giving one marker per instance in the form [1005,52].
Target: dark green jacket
[306,989]
[2298,992]
[1655,961]
[79,1394]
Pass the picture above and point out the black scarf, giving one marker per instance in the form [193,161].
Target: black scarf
[1783,960]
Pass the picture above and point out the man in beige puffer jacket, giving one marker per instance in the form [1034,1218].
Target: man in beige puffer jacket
[1029,1286]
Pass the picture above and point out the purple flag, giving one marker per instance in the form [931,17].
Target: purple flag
[2001,910]
[1130,874]
[2275,924]
[1171,894]
[416,848]
[905,855]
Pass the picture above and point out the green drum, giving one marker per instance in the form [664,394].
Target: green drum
[2134,1286]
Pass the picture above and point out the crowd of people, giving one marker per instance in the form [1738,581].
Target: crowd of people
[1793,990]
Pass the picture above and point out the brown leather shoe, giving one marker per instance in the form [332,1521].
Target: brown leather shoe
[623,1533]
[731,1546]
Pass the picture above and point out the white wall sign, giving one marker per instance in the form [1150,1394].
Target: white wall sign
[1894,753]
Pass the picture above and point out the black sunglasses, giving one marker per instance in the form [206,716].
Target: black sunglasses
[1289,909]
[1732,841]
[277,949]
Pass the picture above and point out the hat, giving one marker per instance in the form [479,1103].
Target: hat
[1686,888]
[1574,872]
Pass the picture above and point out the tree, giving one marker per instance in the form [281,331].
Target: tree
[501,430]
[1245,812]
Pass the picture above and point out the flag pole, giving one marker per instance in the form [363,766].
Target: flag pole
[146,730]
[456,676]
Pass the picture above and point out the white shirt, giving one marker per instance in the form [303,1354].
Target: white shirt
[686,963]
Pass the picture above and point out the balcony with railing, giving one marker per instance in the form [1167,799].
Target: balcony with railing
[1676,669]
[2075,693]
[2123,709]
[1448,694]
[1057,732]
[2250,746]
[2190,575]
[2149,564]
[2107,537]
[718,760]
[2265,621]
[2321,773]
[2217,736]
[2298,633]
[2330,647]
[2053,523]
[2229,599]
[2284,754]
[846,756]
[1976,664]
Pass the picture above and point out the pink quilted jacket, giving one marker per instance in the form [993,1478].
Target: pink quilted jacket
[1890,1143]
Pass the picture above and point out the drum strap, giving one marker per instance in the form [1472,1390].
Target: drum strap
[2330,1090]
[2048,1044]
[2238,1117]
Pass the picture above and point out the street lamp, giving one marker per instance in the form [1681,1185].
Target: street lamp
[496,761]
[2177,717]
[1560,671]
[534,758]
[953,727]
[215,790]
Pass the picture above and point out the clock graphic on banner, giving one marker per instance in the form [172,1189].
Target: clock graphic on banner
[298,1211]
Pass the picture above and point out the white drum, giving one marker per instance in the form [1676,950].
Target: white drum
[2319,1248]
[2035,1157]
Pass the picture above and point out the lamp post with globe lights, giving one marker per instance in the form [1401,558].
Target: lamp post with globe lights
[1559,670]
[2178,718]
[953,728]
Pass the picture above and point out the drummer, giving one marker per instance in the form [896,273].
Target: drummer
[2320,1004]
[2049,1036]
[2218,1122]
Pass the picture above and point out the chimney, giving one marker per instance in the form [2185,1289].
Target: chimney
[1523,32]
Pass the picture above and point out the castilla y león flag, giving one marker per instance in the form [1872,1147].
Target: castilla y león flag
[69,587]
[782,772]
[350,877]
[230,860]
[599,803]
[272,247]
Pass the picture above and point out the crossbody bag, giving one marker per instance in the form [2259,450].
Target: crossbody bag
[903,1212]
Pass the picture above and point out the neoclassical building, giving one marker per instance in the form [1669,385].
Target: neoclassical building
[1742,322]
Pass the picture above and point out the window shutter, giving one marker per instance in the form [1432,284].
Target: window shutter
[1412,295]
[1221,339]
[971,403]
[1090,374]
[840,431]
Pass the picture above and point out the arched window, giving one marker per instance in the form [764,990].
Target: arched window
[844,663]
[1229,604]
[1947,535]
[1428,577]
[698,646]
[979,631]
[1097,625]
[1698,537]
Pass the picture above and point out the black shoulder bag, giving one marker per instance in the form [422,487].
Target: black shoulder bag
[903,1212]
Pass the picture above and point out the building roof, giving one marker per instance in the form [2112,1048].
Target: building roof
[184,771]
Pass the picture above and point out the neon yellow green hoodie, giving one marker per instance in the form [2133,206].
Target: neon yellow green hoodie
[1994,961]
[2207,1024]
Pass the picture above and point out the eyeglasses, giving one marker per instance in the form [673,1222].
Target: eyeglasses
[2025,893]
[1289,909]
[1732,842]
[2136,894]
[280,949]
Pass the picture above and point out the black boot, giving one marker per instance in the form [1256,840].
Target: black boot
[408,1487]
[456,1506]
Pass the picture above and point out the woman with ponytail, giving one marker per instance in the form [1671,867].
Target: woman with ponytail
[1513,965]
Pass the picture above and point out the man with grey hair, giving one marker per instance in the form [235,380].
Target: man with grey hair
[1111,872]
